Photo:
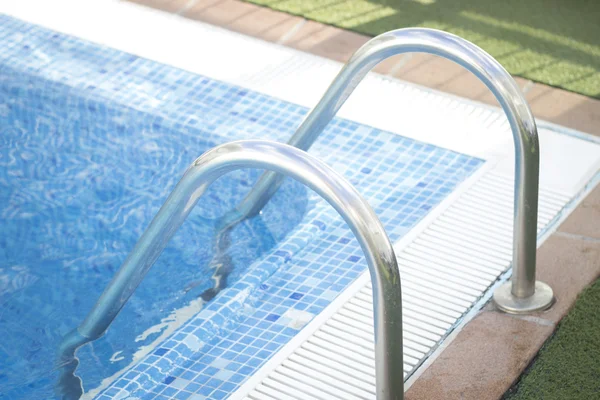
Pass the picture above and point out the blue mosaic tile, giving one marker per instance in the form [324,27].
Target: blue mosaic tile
[294,278]
[296,296]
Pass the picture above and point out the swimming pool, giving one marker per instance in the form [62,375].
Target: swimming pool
[92,142]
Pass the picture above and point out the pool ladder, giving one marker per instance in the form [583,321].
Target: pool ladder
[522,295]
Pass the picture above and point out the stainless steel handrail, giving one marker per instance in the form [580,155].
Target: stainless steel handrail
[283,159]
[523,294]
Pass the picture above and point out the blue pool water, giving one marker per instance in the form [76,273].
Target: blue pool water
[92,140]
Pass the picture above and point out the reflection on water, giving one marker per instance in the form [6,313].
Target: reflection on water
[222,263]
[69,386]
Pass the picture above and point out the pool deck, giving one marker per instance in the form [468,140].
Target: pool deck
[489,354]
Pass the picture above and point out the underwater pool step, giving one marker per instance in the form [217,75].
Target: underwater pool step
[446,269]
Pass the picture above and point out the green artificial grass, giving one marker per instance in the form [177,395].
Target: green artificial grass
[555,42]
[568,365]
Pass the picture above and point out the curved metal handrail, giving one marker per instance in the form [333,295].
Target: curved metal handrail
[525,294]
[287,160]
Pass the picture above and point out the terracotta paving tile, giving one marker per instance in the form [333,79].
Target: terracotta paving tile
[483,361]
[338,45]
[568,264]
[326,41]
[388,66]
[221,12]
[265,24]
[333,43]
[171,6]
[447,76]
[429,70]
[565,108]
[585,219]
[468,85]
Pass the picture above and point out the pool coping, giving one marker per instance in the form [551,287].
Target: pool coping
[574,246]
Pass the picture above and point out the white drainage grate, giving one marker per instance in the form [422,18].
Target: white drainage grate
[445,269]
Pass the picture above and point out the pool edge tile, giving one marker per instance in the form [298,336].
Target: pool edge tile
[568,264]
[584,219]
[483,360]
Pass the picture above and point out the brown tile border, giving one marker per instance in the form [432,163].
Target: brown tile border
[491,351]
[444,75]
[565,108]
[585,219]
[568,263]
[222,13]
[483,360]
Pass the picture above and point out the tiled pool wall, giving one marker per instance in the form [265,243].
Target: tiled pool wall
[214,352]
